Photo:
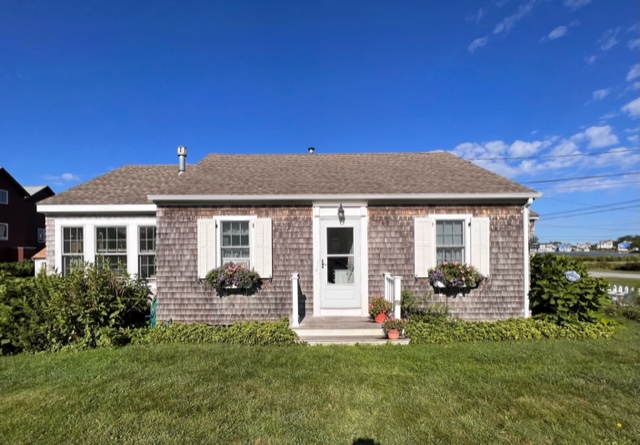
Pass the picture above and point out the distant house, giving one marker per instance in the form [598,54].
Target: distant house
[335,222]
[563,248]
[605,245]
[624,246]
[22,228]
[583,247]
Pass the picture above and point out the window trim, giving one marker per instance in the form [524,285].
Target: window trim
[89,225]
[106,255]
[6,194]
[241,218]
[147,254]
[63,254]
[6,237]
[466,217]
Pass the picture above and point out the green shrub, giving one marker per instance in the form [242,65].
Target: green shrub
[90,307]
[253,333]
[635,266]
[556,299]
[22,269]
[422,308]
[504,330]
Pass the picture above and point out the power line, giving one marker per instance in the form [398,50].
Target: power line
[593,212]
[590,208]
[553,156]
[602,186]
[581,177]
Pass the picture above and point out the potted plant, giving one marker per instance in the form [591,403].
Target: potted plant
[232,276]
[378,308]
[393,327]
[454,274]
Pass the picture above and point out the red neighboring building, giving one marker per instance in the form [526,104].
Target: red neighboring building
[22,228]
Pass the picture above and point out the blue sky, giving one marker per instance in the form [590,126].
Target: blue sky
[88,86]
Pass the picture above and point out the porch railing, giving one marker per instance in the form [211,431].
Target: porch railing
[295,313]
[392,292]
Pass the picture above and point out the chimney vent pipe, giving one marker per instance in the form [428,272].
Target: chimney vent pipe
[182,159]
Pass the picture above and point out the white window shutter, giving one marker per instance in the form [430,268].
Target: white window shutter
[207,245]
[263,263]
[480,244]
[424,245]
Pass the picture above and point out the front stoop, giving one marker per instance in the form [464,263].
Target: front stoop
[343,331]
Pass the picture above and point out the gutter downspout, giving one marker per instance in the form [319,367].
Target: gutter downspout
[527,272]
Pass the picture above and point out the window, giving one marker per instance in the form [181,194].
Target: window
[42,235]
[4,231]
[72,248]
[450,242]
[147,252]
[111,247]
[4,197]
[235,242]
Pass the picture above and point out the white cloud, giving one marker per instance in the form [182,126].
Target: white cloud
[478,43]
[62,179]
[558,32]
[609,39]
[634,72]
[575,4]
[632,108]
[590,59]
[601,94]
[510,21]
[598,136]
[608,116]
[588,186]
[633,43]
[521,148]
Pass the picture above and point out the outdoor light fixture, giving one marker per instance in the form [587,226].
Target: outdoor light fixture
[341,214]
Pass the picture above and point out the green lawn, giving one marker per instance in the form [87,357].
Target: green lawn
[530,392]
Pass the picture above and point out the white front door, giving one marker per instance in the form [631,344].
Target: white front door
[340,265]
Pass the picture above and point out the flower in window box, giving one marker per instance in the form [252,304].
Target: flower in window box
[233,276]
[454,274]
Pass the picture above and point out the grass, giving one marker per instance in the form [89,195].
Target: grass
[530,392]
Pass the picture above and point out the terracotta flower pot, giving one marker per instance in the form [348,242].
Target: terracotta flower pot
[381,317]
[393,334]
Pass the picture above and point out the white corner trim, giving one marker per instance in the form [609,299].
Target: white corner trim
[93,209]
[527,271]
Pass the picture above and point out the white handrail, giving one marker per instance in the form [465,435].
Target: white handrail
[392,292]
[295,314]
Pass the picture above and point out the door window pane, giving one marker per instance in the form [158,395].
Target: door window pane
[340,255]
[339,240]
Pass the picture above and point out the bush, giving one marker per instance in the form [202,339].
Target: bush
[555,298]
[504,330]
[254,333]
[90,307]
[422,308]
[634,267]
[22,269]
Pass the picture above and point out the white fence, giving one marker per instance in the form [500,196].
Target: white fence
[392,292]
[621,294]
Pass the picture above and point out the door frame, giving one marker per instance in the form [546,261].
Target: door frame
[328,211]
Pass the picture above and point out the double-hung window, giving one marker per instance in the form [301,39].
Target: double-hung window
[235,246]
[111,246]
[450,241]
[147,252]
[72,248]
[4,231]
[42,235]
[4,196]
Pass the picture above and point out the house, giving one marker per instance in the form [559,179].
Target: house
[22,228]
[563,248]
[338,221]
[605,245]
[39,261]
[624,246]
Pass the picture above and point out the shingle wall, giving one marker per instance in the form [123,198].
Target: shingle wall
[391,249]
[182,297]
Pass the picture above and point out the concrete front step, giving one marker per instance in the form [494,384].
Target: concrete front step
[353,341]
[339,332]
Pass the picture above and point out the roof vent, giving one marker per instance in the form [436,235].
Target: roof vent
[182,159]
[311,150]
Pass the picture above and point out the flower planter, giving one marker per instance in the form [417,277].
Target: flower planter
[381,317]
[393,334]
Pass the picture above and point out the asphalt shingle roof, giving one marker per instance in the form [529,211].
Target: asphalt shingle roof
[317,174]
